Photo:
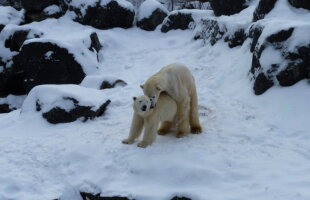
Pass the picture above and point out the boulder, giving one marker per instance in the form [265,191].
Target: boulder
[151,14]
[47,63]
[5,108]
[65,103]
[177,20]
[37,5]
[52,11]
[227,7]
[11,82]
[103,14]
[300,4]
[236,39]
[287,66]
[209,30]
[10,103]
[263,8]
[9,15]
[16,40]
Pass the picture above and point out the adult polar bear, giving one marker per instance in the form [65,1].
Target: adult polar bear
[177,81]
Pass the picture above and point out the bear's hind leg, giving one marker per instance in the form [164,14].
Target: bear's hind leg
[194,116]
[165,128]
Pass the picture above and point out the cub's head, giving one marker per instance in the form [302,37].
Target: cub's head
[142,105]
[152,89]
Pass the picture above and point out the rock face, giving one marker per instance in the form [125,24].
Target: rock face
[59,115]
[209,30]
[47,63]
[263,8]
[300,4]
[287,66]
[153,19]
[177,20]
[227,7]
[104,16]
[16,40]
[236,39]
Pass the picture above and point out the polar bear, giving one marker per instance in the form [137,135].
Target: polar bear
[144,115]
[177,81]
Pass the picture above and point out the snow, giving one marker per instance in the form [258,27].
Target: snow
[9,15]
[95,81]
[13,101]
[252,147]
[148,7]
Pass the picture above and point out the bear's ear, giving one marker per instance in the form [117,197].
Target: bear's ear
[158,88]
[134,98]
[141,86]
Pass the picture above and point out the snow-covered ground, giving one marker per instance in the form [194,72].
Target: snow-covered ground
[252,147]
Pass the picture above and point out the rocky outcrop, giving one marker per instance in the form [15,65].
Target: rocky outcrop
[209,30]
[17,4]
[177,20]
[156,17]
[263,8]
[227,7]
[300,4]
[104,14]
[59,115]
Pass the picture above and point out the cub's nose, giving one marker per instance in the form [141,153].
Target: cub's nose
[143,108]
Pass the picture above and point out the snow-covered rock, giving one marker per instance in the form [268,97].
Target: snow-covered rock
[184,19]
[11,103]
[102,14]
[37,5]
[151,13]
[65,103]
[9,15]
[263,8]
[227,7]
[102,82]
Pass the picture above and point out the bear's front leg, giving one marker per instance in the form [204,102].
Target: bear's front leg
[149,136]
[135,129]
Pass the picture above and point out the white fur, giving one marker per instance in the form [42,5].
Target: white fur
[164,112]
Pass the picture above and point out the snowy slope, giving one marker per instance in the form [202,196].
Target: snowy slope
[252,147]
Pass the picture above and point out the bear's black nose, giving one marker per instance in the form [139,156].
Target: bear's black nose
[143,108]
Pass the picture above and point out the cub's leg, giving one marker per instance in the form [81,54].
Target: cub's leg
[149,136]
[165,128]
[135,129]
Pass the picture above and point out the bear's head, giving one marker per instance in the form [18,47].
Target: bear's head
[142,105]
[152,89]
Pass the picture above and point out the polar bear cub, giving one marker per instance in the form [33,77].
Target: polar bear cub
[149,118]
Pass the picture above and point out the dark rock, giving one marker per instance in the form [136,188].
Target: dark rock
[293,73]
[5,108]
[16,40]
[1,27]
[37,5]
[227,7]
[300,3]
[236,39]
[280,36]
[89,196]
[263,8]
[14,3]
[177,20]
[47,63]
[107,84]
[11,83]
[95,43]
[40,16]
[59,115]
[180,198]
[262,84]
[150,23]
[254,33]
[105,17]
[211,31]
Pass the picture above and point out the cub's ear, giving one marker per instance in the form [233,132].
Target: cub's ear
[141,86]
[134,98]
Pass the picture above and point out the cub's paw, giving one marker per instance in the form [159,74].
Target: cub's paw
[143,144]
[196,129]
[127,141]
